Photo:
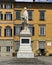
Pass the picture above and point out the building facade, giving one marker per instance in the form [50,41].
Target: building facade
[40,25]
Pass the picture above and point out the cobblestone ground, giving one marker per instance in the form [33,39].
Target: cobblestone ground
[35,61]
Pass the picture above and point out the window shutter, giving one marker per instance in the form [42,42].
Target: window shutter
[11,5]
[33,31]
[5,16]
[21,28]
[5,6]
[11,16]
[0,48]
[11,32]
[1,6]
[5,32]
[0,31]
[1,16]
[14,30]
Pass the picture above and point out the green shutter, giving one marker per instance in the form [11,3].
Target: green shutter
[1,16]
[33,31]
[11,16]
[14,30]
[5,32]
[5,16]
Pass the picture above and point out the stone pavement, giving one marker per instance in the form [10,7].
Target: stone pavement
[35,61]
[45,59]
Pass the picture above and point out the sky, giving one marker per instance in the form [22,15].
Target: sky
[50,0]
[35,0]
[25,0]
[43,0]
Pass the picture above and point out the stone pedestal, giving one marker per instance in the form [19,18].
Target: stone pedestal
[25,49]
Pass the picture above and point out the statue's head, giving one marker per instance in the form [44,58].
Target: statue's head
[25,8]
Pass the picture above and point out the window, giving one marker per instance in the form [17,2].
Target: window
[0,30]
[0,48]
[29,5]
[8,31]
[17,29]
[18,14]
[8,48]
[8,6]
[1,6]
[30,14]
[1,16]
[41,44]
[31,28]
[8,16]
[17,45]
[42,15]
[42,30]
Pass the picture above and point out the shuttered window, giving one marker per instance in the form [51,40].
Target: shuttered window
[42,30]
[30,14]
[1,6]
[17,29]
[42,15]
[1,16]
[8,6]
[31,28]
[8,32]
[18,14]
[17,45]
[8,48]
[8,16]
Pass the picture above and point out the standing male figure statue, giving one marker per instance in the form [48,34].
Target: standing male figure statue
[25,15]
[24,19]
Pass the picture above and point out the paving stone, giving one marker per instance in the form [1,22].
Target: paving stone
[16,61]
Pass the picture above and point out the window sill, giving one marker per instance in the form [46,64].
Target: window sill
[7,8]
[42,35]
[7,36]
[8,20]
[17,19]
[42,19]
[17,34]
[30,19]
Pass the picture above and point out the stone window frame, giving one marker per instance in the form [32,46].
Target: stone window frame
[8,31]
[44,31]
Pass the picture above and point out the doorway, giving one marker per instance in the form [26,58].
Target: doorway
[42,48]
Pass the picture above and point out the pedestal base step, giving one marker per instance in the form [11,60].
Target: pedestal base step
[22,61]
[25,55]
